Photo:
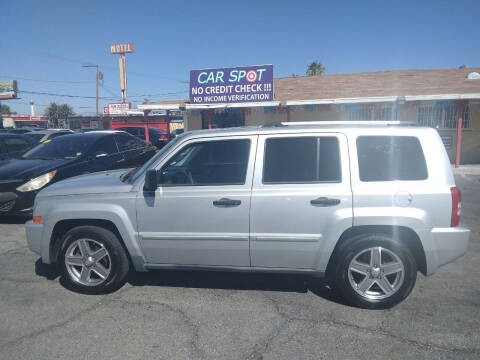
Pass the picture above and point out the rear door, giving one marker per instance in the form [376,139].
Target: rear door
[135,152]
[300,191]
[104,155]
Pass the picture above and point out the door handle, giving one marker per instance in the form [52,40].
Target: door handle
[324,201]
[226,202]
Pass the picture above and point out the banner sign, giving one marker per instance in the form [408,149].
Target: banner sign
[118,108]
[8,89]
[232,85]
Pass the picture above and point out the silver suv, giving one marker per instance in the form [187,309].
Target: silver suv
[365,204]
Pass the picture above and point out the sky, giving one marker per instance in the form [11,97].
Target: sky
[43,44]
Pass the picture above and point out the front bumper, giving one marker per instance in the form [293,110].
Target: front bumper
[17,203]
[34,236]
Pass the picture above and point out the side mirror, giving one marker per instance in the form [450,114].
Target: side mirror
[151,182]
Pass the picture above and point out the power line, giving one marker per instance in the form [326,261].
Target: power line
[46,81]
[78,61]
[62,95]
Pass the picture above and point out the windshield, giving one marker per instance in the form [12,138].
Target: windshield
[64,147]
[134,174]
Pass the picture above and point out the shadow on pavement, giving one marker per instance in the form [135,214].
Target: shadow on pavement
[236,281]
[48,271]
[217,280]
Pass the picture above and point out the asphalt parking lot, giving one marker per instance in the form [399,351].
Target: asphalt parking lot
[186,315]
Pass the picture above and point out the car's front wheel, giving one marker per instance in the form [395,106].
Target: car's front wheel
[374,271]
[92,260]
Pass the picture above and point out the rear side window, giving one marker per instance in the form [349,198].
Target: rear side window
[126,142]
[302,160]
[389,158]
[105,145]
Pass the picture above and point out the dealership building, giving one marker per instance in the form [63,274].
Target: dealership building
[442,99]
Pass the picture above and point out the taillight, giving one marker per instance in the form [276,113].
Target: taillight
[163,137]
[456,206]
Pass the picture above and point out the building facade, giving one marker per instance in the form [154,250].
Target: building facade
[447,100]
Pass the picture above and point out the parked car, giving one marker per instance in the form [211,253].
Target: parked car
[177,132]
[43,135]
[24,130]
[365,205]
[13,145]
[158,137]
[84,130]
[65,157]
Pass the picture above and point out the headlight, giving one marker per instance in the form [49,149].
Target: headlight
[38,182]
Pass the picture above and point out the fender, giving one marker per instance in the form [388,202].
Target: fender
[124,222]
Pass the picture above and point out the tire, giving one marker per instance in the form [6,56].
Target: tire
[356,269]
[92,260]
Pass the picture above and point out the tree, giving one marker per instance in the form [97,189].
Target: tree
[5,109]
[462,67]
[55,112]
[315,68]
[294,75]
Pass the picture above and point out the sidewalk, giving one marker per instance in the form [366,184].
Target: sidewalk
[473,169]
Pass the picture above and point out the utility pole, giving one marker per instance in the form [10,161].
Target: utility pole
[96,83]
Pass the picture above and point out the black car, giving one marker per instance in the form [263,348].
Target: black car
[13,145]
[158,137]
[65,157]
[24,130]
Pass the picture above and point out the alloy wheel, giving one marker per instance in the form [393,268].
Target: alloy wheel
[88,262]
[376,273]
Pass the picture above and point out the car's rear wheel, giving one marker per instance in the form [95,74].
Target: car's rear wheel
[92,260]
[374,271]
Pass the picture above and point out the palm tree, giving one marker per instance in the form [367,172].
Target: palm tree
[55,112]
[5,109]
[315,68]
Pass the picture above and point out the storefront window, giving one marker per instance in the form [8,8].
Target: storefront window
[443,115]
[227,118]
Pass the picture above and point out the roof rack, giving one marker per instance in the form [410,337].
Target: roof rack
[340,122]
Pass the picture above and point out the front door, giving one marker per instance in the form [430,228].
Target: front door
[301,191]
[199,215]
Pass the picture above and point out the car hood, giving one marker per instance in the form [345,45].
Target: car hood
[23,169]
[96,183]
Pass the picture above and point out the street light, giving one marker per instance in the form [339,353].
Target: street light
[96,83]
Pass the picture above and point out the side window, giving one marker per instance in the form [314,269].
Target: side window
[16,144]
[132,131]
[104,145]
[222,162]
[389,158]
[302,160]
[126,142]
[140,143]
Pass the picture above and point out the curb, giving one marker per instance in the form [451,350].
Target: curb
[466,170]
